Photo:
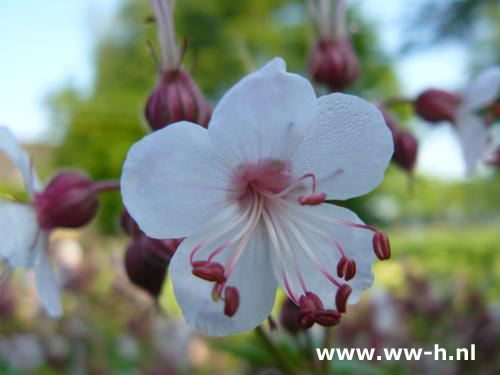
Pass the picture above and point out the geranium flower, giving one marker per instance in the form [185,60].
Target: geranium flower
[463,111]
[248,194]
[24,243]
[68,201]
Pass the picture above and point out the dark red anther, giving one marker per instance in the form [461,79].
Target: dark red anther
[350,270]
[210,271]
[327,317]
[310,302]
[437,105]
[381,246]
[231,300]
[312,199]
[290,316]
[341,297]
[341,266]
[306,319]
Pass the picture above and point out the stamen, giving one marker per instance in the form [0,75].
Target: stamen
[231,300]
[289,250]
[275,243]
[209,271]
[312,199]
[341,297]
[327,318]
[381,246]
[305,246]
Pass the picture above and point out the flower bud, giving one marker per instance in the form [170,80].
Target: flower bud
[176,98]
[334,63]
[437,105]
[405,150]
[68,201]
[289,316]
[231,301]
[146,262]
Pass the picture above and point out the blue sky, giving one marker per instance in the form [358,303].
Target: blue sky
[46,45]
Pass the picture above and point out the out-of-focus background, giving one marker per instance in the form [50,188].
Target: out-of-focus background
[75,76]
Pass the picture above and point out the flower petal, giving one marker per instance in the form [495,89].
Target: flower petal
[10,145]
[482,90]
[348,147]
[47,285]
[173,181]
[264,116]
[356,243]
[253,277]
[472,134]
[19,232]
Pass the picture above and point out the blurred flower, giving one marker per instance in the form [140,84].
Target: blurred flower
[333,61]
[438,105]
[22,352]
[248,193]
[176,96]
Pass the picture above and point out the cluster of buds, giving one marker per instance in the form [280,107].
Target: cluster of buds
[69,201]
[333,61]
[176,96]
[405,144]
[146,259]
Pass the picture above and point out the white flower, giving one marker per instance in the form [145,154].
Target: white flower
[482,91]
[24,243]
[235,189]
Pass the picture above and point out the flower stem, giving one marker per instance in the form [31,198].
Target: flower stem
[282,362]
[106,185]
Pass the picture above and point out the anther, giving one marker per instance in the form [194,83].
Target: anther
[350,269]
[341,297]
[310,302]
[231,300]
[327,318]
[381,246]
[312,199]
[341,266]
[210,271]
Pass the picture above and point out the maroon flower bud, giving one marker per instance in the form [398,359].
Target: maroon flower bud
[405,150]
[334,63]
[146,262]
[210,271]
[341,297]
[327,318]
[289,316]
[437,105]
[68,201]
[176,98]
[129,225]
[381,246]
[231,300]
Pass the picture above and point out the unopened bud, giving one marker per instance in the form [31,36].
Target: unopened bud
[175,98]
[405,150]
[289,316]
[231,301]
[68,201]
[437,105]
[334,63]
[210,271]
[144,268]
[341,297]
[381,246]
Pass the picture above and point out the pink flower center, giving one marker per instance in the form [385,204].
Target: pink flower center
[268,194]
